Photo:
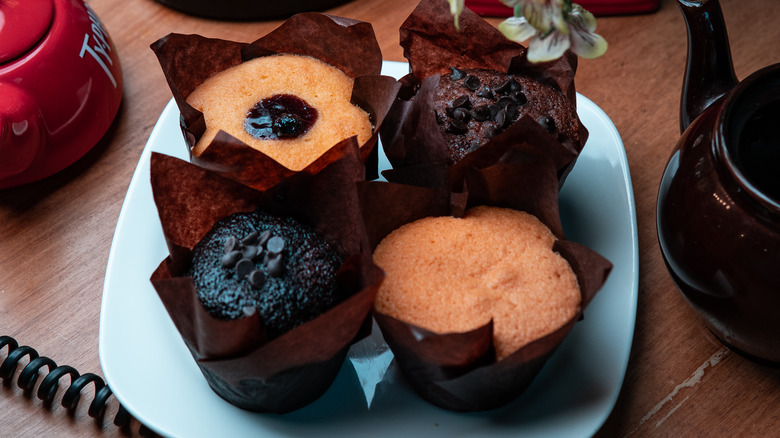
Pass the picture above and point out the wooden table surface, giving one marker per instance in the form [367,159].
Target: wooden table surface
[55,235]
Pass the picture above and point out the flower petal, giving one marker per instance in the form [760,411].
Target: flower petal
[582,17]
[584,42]
[549,48]
[588,45]
[516,29]
[456,7]
[545,16]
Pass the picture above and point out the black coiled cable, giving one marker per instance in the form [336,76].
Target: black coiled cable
[48,387]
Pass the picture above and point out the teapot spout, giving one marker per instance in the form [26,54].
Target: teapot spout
[709,72]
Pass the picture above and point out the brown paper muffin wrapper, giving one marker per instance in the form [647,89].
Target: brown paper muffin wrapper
[411,135]
[238,361]
[188,60]
[459,371]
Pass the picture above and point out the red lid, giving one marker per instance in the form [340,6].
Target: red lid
[22,24]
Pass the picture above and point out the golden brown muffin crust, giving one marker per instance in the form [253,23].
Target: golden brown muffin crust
[227,97]
[449,274]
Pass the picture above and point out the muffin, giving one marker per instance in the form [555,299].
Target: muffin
[472,306]
[291,108]
[268,289]
[447,274]
[314,81]
[473,91]
[276,265]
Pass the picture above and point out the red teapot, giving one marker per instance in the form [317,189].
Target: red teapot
[718,210]
[60,86]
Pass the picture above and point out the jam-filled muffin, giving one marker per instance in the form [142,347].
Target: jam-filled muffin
[474,105]
[276,265]
[292,108]
[447,274]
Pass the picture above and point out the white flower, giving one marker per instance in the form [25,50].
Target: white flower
[553,27]
[456,7]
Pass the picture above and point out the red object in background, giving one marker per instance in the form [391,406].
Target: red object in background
[60,86]
[494,8]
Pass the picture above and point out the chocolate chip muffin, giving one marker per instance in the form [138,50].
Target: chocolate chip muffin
[474,105]
[275,265]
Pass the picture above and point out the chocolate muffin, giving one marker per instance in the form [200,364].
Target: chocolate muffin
[276,265]
[474,105]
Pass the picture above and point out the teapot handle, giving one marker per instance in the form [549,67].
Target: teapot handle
[21,130]
[709,72]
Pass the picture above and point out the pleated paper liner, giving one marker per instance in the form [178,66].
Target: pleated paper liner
[349,45]
[410,134]
[238,361]
[459,371]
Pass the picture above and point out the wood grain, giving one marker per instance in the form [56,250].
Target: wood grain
[55,235]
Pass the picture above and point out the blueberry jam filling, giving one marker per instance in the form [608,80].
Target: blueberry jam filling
[279,117]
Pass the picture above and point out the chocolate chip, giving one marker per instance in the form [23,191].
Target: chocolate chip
[462,102]
[514,86]
[244,267]
[504,88]
[494,109]
[501,118]
[519,97]
[250,251]
[261,241]
[461,115]
[457,127]
[485,92]
[472,83]
[504,101]
[547,123]
[230,244]
[256,279]
[230,259]
[251,238]
[275,245]
[511,112]
[480,113]
[275,265]
[457,74]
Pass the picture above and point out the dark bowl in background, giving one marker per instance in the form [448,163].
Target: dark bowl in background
[246,10]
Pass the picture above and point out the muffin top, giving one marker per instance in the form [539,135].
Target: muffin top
[448,274]
[474,105]
[292,108]
[276,265]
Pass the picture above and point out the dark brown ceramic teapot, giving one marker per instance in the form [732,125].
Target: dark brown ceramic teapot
[719,199]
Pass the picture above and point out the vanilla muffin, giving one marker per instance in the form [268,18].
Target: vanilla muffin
[447,274]
[292,108]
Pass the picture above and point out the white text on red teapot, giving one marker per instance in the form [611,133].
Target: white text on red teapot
[100,51]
